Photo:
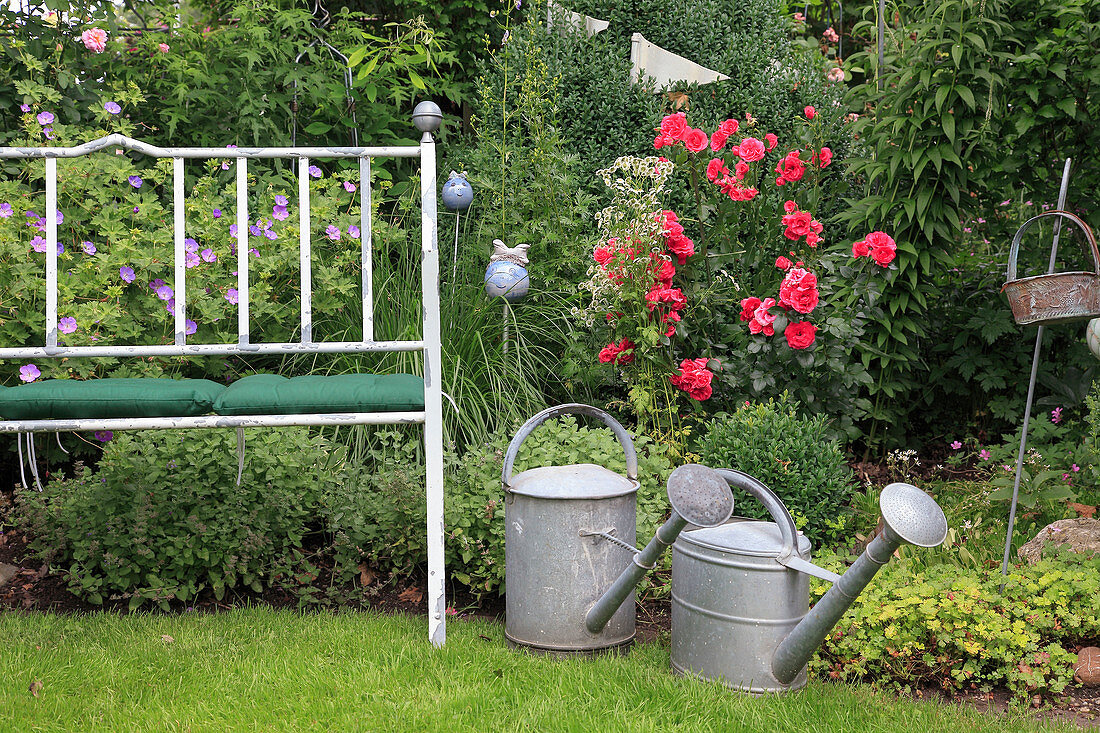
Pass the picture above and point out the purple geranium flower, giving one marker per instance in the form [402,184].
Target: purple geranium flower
[24,108]
[190,260]
[270,234]
[29,373]
[255,252]
[164,292]
[5,210]
[48,132]
[104,436]
[233,230]
[253,230]
[353,232]
[314,171]
[38,244]
[30,214]
[231,295]
[217,213]
[39,224]
[332,232]
[280,201]
[190,327]
[190,245]
[67,324]
[135,181]
[112,107]
[156,284]
[279,212]
[349,186]
[126,273]
[89,248]
[136,209]
[208,255]
[45,118]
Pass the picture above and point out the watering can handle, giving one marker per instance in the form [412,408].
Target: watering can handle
[1015,250]
[572,408]
[772,503]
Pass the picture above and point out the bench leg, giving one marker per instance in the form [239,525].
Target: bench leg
[433,393]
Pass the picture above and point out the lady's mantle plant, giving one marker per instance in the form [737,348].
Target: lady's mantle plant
[633,293]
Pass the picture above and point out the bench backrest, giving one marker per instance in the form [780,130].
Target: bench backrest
[181,346]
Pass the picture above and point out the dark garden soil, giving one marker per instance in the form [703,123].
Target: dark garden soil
[34,589]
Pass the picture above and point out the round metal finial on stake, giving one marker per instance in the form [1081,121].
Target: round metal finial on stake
[427,116]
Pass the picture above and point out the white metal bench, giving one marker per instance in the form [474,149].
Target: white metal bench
[427,118]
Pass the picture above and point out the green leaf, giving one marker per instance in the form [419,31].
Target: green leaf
[318,128]
[941,94]
[416,80]
[1067,105]
[948,124]
[966,95]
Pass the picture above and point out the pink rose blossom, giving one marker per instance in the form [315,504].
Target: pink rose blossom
[95,39]
[751,150]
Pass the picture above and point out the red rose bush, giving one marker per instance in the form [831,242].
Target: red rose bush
[756,199]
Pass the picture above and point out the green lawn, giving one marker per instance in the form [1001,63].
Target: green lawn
[258,669]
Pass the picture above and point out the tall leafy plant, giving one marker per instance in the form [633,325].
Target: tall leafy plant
[930,147]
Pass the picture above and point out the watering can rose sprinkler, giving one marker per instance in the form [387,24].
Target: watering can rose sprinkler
[569,533]
[740,591]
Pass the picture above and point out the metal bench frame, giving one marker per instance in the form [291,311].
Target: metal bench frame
[427,119]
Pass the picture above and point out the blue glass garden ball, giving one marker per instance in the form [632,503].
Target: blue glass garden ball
[458,194]
[506,280]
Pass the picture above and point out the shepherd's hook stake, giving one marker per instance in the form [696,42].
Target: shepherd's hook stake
[1031,383]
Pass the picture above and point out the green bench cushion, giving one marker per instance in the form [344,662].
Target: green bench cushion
[103,398]
[271,394]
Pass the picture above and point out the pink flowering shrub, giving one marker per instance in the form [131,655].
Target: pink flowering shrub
[636,294]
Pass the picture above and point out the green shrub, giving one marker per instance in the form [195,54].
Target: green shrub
[605,114]
[381,519]
[162,518]
[230,74]
[790,454]
[378,514]
[951,627]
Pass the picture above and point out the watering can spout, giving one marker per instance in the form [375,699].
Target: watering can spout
[909,516]
[698,495]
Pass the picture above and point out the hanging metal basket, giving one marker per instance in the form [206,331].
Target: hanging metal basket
[1058,297]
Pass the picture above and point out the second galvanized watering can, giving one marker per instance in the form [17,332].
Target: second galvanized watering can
[740,591]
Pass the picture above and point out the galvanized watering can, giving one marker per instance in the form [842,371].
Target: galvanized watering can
[1056,297]
[740,591]
[569,535]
